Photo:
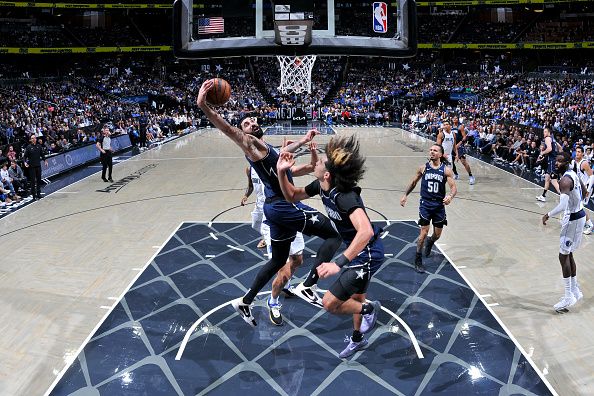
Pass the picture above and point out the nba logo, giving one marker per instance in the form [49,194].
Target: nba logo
[380,17]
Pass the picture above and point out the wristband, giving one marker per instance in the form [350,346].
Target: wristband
[341,260]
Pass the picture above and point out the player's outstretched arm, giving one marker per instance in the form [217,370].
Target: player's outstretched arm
[412,185]
[364,234]
[250,187]
[291,193]
[452,184]
[253,148]
[304,169]
[293,146]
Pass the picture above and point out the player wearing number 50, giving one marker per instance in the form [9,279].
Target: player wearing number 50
[435,175]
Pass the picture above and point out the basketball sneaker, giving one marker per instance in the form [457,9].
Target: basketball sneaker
[577,293]
[471,180]
[565,302]
[274,313]
[353,347]
[419,267]
[244,311]
[587,230]
[368,321]
[308,294]
[428,246]
[541,198]
[261,244]
[456,177]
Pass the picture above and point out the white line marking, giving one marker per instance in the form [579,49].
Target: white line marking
[110,309]
[385,234]
[112,298]
[493,305]
[214,236]
[156,247]
[388,255]
[209,224]
[503,326]
[103,307]
[236,248]
[182,347]
[139,269]
[485,295]
[460,266]
[210,256]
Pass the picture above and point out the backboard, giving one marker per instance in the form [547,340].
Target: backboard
[230,28]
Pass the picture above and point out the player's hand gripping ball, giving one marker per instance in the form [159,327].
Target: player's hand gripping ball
[220,92]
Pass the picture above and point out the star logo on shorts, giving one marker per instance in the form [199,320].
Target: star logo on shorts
[360,273]
[314,219]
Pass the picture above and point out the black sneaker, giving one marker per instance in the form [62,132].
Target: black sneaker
[419,267]
[244,311]
[275,314]
[428,245]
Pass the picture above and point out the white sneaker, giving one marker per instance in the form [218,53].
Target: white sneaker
[471,180]
[565,302]
[577,293]
[308,294]
[587,230]
[244,311]
[541,198]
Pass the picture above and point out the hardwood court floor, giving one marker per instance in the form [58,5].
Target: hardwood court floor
[68,258]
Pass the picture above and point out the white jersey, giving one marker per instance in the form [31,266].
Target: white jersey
[575,195]
[448,144]
[258,190]
[577,168]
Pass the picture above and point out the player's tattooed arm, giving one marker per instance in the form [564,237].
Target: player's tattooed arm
[412,184]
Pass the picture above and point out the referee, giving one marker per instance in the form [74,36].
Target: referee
[32,159]
[106,153]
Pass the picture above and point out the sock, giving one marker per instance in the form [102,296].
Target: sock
[470,174]
[589,223]
[573,282]
[357,336]
[273,300]
[366,309]
[312,278]
[567,282]
[544,193]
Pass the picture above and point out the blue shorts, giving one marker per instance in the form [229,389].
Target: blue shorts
[432,212]
[461,152]
[551,167]
[356,277]
[285,219]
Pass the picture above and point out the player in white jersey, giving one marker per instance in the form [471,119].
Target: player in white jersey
[574,218]
[447,139]
[255,185]
[581,166]
[295,253]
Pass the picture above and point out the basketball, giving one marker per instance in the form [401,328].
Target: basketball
[220,92]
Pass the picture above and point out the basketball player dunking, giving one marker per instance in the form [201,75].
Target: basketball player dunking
[285,219]
[435,175]
[572,224]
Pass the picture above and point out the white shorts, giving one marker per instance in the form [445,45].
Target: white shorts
[571,234]
[297,245]
[257,218]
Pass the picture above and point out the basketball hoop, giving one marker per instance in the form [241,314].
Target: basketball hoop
[296,73]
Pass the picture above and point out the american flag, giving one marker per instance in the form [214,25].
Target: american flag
[211,25]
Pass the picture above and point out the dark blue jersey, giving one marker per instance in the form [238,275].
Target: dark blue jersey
[458,133]
[553,153]
[266,170]
[433,183]
[339,207]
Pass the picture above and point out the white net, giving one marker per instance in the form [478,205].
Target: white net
[296,73]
